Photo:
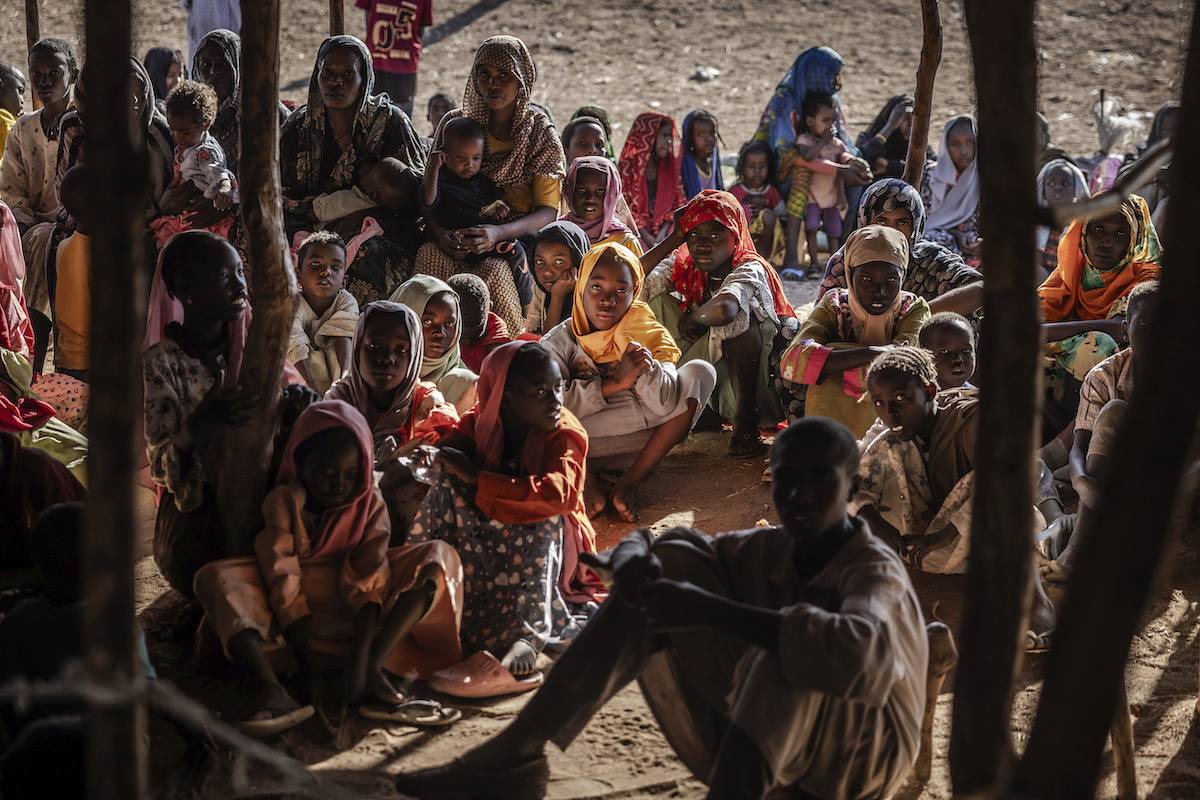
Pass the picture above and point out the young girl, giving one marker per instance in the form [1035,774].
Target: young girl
[755,190]
[723,303]
[191,109]
[592,189]
[1059,182]
[510,501]
[165,67]
[950,190]
[482,331]
[849,328]
[650,176]
[436,306]
[324,576]
[821,151]
[701,166]
[622,383]
[556,258]
[326,314]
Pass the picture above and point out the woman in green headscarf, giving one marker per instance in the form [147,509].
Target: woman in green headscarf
[436,305]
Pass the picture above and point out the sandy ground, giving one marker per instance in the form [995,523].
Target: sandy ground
[629,57]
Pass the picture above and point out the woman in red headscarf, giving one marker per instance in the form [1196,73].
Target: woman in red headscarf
[324,575]
[510,501]
[722,302]
[651,180]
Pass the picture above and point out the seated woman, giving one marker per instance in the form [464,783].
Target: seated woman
[1059,182]
[723,303]
[622,383]
[935,274]
[323,574]
[1083,300]
[592,191]
[436,306]
[384,385]
[651,180]
[326,145]
[916,478]
[510,501]
[884,144]
[950,190]
[558,251]
[522,155]
[849,328]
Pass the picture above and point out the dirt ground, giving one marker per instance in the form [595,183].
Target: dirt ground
[629,57]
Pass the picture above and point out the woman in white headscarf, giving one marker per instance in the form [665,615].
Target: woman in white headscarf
[950,190]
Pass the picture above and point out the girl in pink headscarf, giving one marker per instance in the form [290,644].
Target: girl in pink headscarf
[592,190]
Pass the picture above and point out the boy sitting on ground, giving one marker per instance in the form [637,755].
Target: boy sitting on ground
[482,330]
[812,679]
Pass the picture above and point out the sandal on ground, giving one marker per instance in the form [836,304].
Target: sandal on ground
[271,726]
[481,676]
[792,274]
[756,447]
[458,781]
[417,713]
[1037,643]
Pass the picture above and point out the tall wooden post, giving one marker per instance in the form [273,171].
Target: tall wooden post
[1115,566]
[241,483]
[337,17]
[1000,564]
[33,24]
[931,57]
[117,182]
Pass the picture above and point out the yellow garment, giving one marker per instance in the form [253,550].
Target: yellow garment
[637,325]
[7,121]
[72,302]
[544,192]
[865,246]
[626,239]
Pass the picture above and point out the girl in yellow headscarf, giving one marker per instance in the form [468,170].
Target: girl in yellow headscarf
[621,378]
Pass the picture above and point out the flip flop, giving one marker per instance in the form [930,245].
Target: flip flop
[417,713]
[1037,643]
[792,274]
[481,676]
[272,726]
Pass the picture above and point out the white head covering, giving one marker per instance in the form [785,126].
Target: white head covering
[953,198]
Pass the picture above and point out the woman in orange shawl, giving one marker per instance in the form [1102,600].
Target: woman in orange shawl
[1083,299]
[510,500]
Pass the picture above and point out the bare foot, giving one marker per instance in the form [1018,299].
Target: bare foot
[624,499]
[593,496]
[380,690]
[270,702]
[520,660]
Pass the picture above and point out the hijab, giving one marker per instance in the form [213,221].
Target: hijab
[353,387]
[866,245]
[1063,295]
[341,528]
[651,213]
[954,198]
[489,427]
[608,224]
[158,63]
[416,292]
[637,325]
[1077,177]
[814,70]
[570,236]
[536,149]
[226,129]
[16,332]
[689,170]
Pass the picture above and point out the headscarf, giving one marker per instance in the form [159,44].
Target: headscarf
[1081,189]
[489,393]
[608,223]
[689,170]
[158,63]
[1063,296]
[227,126]
[12,258]
[373,114]
[569,235]
[865,245]
[876,126]
[637,325]
[1156,133]
[536,149]
[341,528]
[722,207]
[651,213]
[416,292]
[159,142]
[600,115]
[954,198]
[813,70]
[353,387]
[16,332]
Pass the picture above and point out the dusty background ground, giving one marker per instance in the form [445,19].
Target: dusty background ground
[629,57]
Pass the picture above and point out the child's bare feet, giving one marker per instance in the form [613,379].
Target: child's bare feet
[270,702]
[593,496]
[520,660]
[380,690]
[624,499]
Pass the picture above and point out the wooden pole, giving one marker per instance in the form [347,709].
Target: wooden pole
[118,181]
[931,57]
[337,17]
[241,482]
[33,25]
[1001,561]
[1116,562]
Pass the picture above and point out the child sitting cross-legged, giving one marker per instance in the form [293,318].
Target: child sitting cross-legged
[482,330]
[592,190]
[916,478]
[559,250]
[622,382]
[326,315]
[324,575]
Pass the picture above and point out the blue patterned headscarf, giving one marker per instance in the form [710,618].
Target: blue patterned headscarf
[814,70]
[688,168]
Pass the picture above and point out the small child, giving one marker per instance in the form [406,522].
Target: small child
[199,160]
[821,150]
[593,190]
[327,314]
[456,191]
[438,106]
[755,190]
[388,184]
[950,339]
[558,252]
[482,331]
[72,291]
[701,156]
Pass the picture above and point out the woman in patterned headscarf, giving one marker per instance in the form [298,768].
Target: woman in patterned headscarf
[817,69]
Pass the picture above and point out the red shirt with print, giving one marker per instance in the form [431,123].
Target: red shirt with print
[394,32]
